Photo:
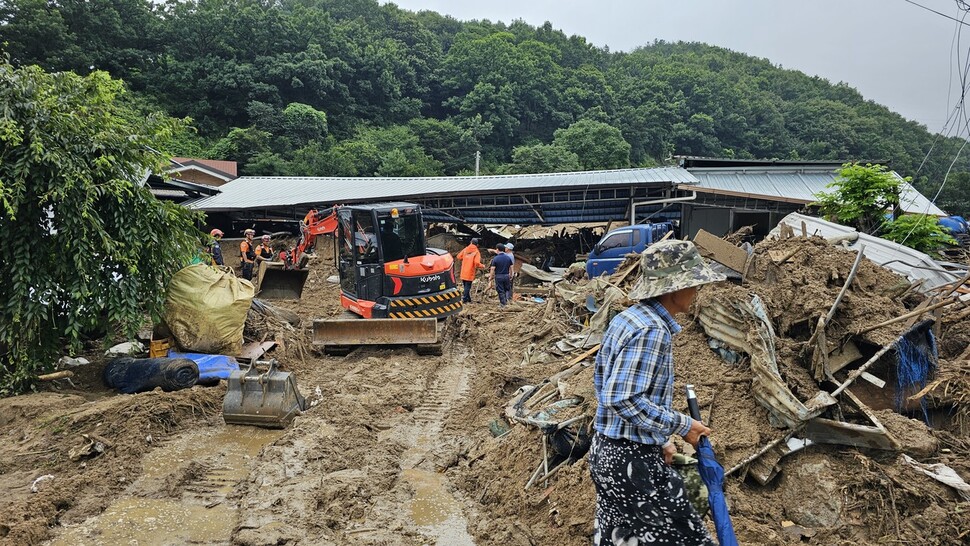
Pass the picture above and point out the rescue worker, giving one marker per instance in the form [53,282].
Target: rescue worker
[264,252]
[215,249]
[509,247]
[499,274]
[471,262]
[247,254]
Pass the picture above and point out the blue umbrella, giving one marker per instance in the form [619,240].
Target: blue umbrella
[712,474]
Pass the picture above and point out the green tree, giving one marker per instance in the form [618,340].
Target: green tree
[86,245]
[920,231]
[861,197]
[447,142]
[955,195]
[598,145]
[390,151]
[242,145]
[303,123]
[543,158]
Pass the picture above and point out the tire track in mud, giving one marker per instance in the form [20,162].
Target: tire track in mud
[183,494]
[434,508]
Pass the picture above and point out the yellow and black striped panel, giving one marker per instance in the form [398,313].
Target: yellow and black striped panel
[428,306]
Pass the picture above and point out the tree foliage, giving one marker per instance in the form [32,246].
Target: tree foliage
[86,246]
[861,197]
[598,145]
[919,231]
[543,158]
[460,86]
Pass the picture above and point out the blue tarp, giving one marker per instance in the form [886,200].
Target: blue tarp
[211,367]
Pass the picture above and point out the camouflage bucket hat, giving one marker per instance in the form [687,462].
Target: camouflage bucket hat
[669,266]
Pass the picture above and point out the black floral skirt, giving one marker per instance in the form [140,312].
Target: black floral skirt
[640,499]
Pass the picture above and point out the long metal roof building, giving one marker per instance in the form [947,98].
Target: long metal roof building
[717,195]
[790,184]
[522,199]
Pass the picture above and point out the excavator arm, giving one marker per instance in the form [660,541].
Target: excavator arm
[314,223]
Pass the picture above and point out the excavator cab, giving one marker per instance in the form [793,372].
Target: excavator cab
[385,269]
[389,277]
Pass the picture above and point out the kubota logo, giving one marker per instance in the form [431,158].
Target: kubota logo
[431,278]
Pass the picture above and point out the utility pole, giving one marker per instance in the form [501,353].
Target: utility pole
[478,160]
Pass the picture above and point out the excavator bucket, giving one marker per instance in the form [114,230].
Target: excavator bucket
[278,283]
[335,335]
[268,399]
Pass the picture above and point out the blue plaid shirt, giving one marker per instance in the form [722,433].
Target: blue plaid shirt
[634,377]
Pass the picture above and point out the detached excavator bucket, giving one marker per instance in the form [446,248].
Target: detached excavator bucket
[268,399]
[347,333]
[277,283]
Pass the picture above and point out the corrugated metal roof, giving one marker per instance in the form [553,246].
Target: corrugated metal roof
[251,192]
[798,185]
[905,261]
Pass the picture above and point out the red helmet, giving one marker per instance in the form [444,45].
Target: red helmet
[216,233]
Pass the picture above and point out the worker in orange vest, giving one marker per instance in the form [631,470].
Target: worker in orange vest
[247,254]
[471,262]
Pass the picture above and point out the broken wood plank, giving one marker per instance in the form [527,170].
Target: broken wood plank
[779,258]
[827,431]
[873,379]
[721,251]
[872,417]
[253,350]
[859,371]
[760,452]
[843,356]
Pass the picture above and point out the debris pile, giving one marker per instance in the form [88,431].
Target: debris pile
[814,351]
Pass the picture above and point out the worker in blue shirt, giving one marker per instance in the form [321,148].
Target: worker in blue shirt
[640,498]
[500,274]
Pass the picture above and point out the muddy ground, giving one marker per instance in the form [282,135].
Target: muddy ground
[399,449]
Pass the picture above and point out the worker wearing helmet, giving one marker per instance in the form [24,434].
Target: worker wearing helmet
[264,252]
[247,254]
[214,248]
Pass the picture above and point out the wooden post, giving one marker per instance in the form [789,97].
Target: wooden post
[915,313]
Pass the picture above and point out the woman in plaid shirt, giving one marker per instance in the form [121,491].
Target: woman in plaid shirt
[640,498]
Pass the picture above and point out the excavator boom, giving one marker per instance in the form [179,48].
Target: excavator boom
[284,279]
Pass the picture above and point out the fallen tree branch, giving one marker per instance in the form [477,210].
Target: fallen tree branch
[63,374]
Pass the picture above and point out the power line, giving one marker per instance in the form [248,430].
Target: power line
[960,110]
[937,12]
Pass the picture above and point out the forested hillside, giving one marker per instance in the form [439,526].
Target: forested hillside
[351,87]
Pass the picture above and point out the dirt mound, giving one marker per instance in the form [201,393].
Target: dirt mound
[90,450]
[798,280]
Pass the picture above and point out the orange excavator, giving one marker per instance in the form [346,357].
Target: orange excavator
[387,275]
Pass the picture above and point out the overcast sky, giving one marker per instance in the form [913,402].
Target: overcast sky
[893,52]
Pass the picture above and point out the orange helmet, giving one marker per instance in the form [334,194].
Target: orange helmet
[216,233]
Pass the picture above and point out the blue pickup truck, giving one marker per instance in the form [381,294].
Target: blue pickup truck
[609,252]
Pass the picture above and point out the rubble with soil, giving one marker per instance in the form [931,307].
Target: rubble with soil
[398,448]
